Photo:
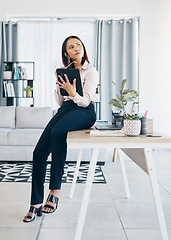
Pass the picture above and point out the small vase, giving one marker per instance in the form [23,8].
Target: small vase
[8,75]
[29,94]
[132,127]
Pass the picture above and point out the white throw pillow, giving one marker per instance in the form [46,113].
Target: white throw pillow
[33,117]
[7,117]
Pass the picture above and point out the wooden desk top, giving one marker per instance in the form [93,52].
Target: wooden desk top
[83,137]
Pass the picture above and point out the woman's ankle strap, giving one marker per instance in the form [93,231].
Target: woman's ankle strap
[52,198]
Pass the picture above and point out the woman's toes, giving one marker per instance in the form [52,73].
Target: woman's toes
[45,209]
[26,219]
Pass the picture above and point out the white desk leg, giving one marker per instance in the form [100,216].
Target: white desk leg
[156,193]
[76,174]
[120,154]
[86,196]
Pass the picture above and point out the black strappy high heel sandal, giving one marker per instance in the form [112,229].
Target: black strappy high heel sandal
[53,199]
[34,210]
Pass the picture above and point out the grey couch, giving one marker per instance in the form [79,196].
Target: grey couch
[20,129]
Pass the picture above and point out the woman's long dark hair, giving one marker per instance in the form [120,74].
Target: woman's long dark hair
[65,58]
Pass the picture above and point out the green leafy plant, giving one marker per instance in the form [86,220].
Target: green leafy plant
[132,117]
[28,88]
[7,68]
[125,95]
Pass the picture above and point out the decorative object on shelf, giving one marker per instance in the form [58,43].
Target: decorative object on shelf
[132,124]
[121,102]
[21,76]
[29,91]
[7,72]
[18,73]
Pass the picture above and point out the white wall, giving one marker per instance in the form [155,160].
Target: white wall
[155,43]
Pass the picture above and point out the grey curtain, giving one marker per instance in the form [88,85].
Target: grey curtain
[8,52]
[117,51]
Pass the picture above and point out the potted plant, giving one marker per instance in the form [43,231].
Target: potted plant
[132,124]
[29,91]
[122,100]
[7,72]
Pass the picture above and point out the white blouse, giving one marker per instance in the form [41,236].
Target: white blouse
[89,78]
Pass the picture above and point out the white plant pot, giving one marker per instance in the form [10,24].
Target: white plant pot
[7,74]
[132,127]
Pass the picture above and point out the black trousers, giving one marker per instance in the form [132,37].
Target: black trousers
[70,117]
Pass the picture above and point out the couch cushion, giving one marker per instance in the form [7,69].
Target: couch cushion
[24,137]
[33,117]
[7,117]
[4,135]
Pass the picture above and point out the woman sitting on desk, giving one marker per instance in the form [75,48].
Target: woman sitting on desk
[76,113]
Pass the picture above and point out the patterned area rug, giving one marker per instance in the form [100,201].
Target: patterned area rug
[21,172]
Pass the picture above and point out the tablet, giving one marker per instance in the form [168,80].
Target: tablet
[71,74]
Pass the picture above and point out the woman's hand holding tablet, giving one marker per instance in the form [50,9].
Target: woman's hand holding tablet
[69,81]
[66,85]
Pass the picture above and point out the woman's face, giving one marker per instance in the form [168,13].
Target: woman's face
[74,49]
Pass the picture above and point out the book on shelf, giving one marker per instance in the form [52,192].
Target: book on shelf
[16,73]
[5,89]
[19,72]
[10,90]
